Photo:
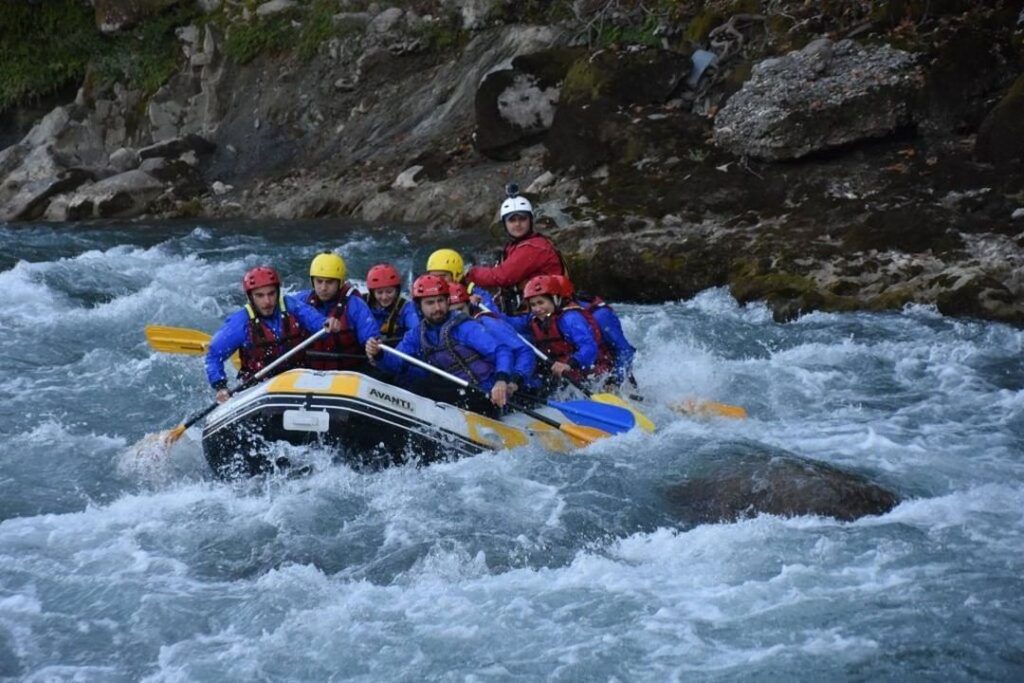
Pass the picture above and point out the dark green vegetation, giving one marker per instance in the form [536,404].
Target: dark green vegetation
[50,45]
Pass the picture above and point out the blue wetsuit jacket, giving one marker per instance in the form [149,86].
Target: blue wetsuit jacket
[234,334]
[360,318]
[469,333]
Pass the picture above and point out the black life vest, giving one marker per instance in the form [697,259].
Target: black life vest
[264,346]
[391,329]
[339,350]
[454,357]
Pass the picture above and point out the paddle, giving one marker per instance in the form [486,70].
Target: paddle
[580,434]
[617,414]
[181,340]
[173,435]
[692,406]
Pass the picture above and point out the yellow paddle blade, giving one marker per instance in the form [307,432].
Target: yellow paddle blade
[173,435]
[582,436]
[181,340]
[177,340]
[642,420]
[700,408]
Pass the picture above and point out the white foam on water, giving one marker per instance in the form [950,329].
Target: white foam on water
[521,564]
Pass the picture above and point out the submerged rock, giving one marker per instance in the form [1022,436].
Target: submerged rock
[745,482]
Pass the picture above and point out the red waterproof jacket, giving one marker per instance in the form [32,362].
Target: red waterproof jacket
[533,254]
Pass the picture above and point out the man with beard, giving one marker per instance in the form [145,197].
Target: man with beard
[453,342]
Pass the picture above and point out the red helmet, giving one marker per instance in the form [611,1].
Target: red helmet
[566,284]
[429,285]
[543,284]
[382,275]
[457,293]
[260,276]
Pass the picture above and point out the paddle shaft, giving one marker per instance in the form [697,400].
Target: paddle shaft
[463,383]
[254,379]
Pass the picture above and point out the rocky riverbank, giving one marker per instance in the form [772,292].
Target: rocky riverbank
[818,156]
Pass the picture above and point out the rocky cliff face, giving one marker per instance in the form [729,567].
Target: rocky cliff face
[835,156]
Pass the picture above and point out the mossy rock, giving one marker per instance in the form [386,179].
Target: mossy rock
[625,78]
[1001,136]
[905,229]
[788,295]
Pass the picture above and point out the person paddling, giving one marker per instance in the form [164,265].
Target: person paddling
[562,330]
[526,255]
[267,327]
[612,336]
[524,360]
[454,343]
[333,296]
[393,312]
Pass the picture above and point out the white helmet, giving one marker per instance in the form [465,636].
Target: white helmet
[516,205]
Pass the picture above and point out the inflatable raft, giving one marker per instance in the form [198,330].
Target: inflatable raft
[367,422]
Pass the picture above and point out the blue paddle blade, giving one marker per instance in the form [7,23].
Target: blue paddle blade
[600,415]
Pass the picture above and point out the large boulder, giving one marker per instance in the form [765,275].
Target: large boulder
[747,481]
[121,196]
[32,198]
[516,106]
[1001,136]
[821,97]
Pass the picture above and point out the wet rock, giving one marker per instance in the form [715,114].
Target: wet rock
[821,97]
[1001,136]
[744,481]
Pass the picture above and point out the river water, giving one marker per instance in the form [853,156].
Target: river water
[518,565]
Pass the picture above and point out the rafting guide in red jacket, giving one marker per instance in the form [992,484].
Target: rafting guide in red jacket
[525,256]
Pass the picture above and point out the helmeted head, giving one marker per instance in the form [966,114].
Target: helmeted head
[326,273]
[260,276]
[568,291]
[446,261]
[329,265]
[430,292]
[458,296]
[517,216]
[543,293]
[383,275]
[383,281]
[262,286]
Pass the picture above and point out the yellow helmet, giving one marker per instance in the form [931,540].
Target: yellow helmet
[447,260]
[328,265]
